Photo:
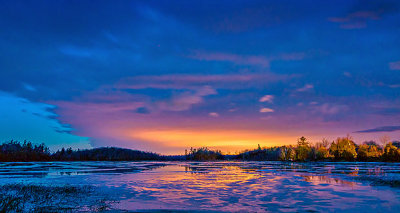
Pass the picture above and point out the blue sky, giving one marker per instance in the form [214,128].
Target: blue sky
[152,74]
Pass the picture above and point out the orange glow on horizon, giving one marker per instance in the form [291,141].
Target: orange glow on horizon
[225,140]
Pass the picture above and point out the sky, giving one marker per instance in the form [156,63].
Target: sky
[164,76]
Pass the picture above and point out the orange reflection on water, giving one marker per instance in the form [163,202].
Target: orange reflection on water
[221,187]
[318,179]
[226,186]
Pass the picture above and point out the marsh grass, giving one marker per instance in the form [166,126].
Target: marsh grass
[44,198]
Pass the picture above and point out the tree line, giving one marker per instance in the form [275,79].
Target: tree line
[341,149]
[27,151]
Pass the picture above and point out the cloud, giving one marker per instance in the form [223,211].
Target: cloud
[110,37]
[267,98]
[363,12]
[394,86]
[253,60]
[356,20]
[185,101]
[29,87]
[347,74]
[195,81]
[264,110]
[380,129]
[306,87]
[234,58]
[206,90]
[330,109]
[394,65]
[109,100]
[213,114]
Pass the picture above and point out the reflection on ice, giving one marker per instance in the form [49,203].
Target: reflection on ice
[226,186]
[318,179]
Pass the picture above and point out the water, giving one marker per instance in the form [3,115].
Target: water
[225,186]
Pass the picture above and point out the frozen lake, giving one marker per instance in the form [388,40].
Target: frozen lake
[222,186]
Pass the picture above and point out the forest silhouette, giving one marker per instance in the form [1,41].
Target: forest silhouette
[341,149]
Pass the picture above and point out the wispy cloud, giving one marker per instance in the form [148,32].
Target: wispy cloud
[264,110]
[184,101]
[306,87]
[267,98]
[364,12]
[194,81]
[380,129]
[234,58]
[29,87]
[213,114]
[394,86]
[355,20]
[111,37]
[394,65]
[330,109]
[253,60]
[110,100]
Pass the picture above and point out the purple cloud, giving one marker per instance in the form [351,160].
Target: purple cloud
[394,65]
[380,129]
[213,114]
[186,81]
[185,101]
[306,87]
[253,60]
[267,98]
[363,12]
[330,109]
[356,20]
[264,110]
[234,58]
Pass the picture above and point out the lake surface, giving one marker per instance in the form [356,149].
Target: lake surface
[224,186]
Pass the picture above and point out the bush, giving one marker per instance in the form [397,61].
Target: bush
[391,153]
[343,149]
[322,153]
[368,152]
[204,154]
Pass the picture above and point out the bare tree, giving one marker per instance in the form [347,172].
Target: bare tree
[384,140]
[325,142]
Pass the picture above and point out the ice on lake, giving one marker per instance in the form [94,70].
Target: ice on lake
[223,186]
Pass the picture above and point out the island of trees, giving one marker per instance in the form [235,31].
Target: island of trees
[342,149]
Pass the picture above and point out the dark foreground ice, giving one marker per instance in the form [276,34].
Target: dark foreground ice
[205,186]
